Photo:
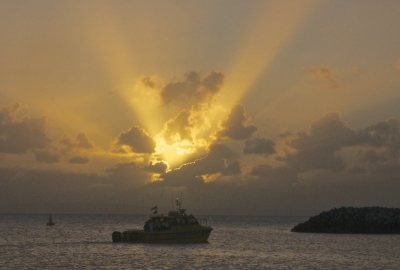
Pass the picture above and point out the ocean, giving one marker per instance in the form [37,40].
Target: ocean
[237,242]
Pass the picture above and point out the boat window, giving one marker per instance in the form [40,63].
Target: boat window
[192,220]
[157,224]
[181,221]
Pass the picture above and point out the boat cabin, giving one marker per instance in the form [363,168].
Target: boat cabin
[161,222]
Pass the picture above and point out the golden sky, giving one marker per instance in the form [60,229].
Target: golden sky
[241,107]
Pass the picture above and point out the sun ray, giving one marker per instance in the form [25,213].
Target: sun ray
[274,25]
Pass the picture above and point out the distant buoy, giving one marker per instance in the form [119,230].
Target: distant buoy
[50,223]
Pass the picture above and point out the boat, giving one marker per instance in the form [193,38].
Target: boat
[176,227]
[50,223]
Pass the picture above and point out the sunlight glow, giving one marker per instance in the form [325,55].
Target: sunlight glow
[272,28]
[175,154]
[210,177]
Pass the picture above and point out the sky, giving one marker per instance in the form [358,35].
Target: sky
[236,107]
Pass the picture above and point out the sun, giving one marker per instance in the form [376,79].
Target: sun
[174,154]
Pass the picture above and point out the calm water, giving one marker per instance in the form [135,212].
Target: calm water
[84,242]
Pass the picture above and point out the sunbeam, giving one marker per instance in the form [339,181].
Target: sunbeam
[272,28]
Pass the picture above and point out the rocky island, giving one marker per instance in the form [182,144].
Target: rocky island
[366,220]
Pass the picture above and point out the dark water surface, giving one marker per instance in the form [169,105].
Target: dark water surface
[84,242]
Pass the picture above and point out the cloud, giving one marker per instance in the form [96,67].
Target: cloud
[129,173]
[236,126]
[157,167]
[81,141]
[373,157]
[136,139]
[78,160]
[275,173]
[217,150]
[18,135]
[385,138]
[149,82]
[122,190]
[193,173]
[324,74]
[179,128]
[306,181]
[331,146]
[316,148]
[259,146]
[126,188]
[9,113]
[383,134]
[194,89]
[328,165]
[232,169]
[47,155]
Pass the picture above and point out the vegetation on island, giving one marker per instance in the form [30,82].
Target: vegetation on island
[366,220]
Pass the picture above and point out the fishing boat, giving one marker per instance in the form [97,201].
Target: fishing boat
[176,227]
[50,223]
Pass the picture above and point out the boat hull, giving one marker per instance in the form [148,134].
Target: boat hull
[184,235]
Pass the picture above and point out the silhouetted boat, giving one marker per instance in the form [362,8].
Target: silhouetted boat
[177,227]
[50,223]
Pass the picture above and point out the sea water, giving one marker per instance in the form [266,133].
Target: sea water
[237,242]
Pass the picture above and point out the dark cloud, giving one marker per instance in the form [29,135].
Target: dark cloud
[332,146]
[81,141]
[129,173]
[46,156]
[9,113]
[137,139]
[148,81]
[232,169]
[373,157]
[236,126]
[259,146]
[157,167]
[194,89]
[389,169]
[18,135]
[122,190]
[325,74]
[66,146]
[217,150]
[179,128]
[383,134]
[78,160]
[316,148]
[382,141]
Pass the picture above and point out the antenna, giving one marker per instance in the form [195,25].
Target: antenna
[172,199]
